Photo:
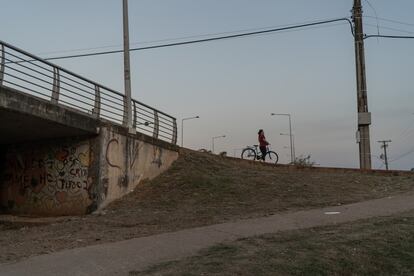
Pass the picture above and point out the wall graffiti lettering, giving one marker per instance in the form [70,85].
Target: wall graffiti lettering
[157,156]
[47,177]
[112,150]
[112,143]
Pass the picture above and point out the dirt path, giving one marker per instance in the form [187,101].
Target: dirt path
[121,257]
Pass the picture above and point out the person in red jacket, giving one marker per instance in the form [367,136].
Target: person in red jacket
[262,143]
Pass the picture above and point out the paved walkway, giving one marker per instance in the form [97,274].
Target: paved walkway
[121,257]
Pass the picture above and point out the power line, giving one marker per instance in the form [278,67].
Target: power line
[292,27]
[391,20]
[403,135]
[402,155]
[375,12]
[389,28]
[178,38]
[389,36]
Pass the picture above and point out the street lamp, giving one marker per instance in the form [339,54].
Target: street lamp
[293,144]
[182,128]
[212,141]
[290,133]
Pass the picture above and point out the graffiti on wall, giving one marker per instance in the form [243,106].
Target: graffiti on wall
[124,157]
[114,151]
[128,159]
[157,156]
[47,178]
[111,147]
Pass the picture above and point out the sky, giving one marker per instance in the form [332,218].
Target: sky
[234,85]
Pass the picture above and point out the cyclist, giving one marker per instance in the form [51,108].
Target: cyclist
[262,143]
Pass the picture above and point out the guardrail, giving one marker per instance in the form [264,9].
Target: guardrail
[32,75]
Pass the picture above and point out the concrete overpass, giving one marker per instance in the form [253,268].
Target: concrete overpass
[64,148]
[26,118]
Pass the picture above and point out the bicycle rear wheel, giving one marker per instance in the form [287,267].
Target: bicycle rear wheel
[248,154]
[272,157]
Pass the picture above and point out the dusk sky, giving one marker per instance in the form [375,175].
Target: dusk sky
[234,85]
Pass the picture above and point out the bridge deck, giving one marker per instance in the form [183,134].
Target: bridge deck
[27,118]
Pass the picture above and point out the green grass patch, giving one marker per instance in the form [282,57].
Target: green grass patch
[379,246]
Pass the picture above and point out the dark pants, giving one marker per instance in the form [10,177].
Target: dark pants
[264,151]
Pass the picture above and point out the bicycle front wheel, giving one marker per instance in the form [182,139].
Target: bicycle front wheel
[272,157]
[248,154]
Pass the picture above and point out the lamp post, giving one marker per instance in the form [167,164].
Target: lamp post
[212,141]
[182,128]
[127,71]
[290,133]
[293,143]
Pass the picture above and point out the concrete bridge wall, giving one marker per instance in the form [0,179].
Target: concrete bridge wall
[78,175]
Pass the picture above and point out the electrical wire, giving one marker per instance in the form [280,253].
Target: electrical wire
[389,36]
[389,28]
[403,155]
[376,15]
[175,39]
[292,27]
[390,20]
[406,132]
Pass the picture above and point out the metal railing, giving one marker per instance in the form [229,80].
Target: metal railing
[32,75]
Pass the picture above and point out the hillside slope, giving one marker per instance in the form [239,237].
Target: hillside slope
[205,188]
[199,189]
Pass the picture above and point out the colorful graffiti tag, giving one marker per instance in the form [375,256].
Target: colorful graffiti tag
[47,178]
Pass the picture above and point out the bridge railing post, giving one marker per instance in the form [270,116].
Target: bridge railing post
[134,121]
[56,86]
[156,125]
[2,62]
[96,111]
[174,136]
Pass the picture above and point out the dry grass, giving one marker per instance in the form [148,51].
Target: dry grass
[379,246]
[199,189]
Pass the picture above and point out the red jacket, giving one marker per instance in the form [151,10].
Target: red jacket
[262,140]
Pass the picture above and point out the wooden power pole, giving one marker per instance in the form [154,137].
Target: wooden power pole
[384,146]
[364,117]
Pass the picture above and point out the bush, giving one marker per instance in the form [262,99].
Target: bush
[304,161]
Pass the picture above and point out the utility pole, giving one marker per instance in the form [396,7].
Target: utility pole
[364,117]
[384,146]
[127,71]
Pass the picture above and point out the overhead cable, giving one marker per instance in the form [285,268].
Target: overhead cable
[210,39]
[390,20]
[389,36]
[177,38]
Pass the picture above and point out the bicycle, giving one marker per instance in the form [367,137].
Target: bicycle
[252,153]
